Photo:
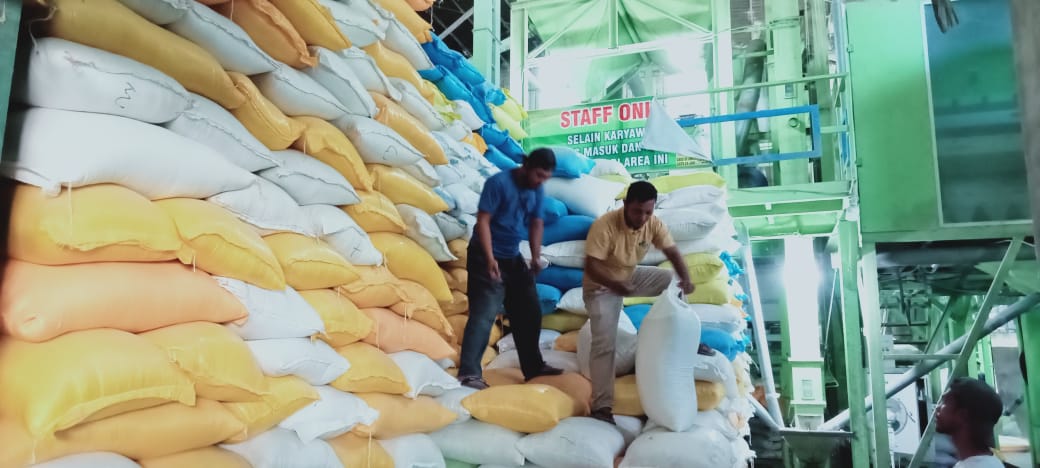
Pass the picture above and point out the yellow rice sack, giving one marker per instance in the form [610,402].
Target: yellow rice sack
[709,395]
[219,243]
[286,396]
[376,287]
[399,416]
[407,260]
[411,20]
[97,223]
[262,118]
[354,451]
[310,263]
[626,397]
[399,120]
[314,23]
[703,267]
[371,370]
[508,123]
[108,25]
[344,322]
[393,64]
[329,145]
[420,305]
[527,408]
[458,305]
[270,29]
[376,213]
[401,188]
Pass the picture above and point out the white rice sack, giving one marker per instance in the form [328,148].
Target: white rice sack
[714,420]
[713,243]
[692,195]
[452,399]
[451,228]
[546,340]
[377,143]
[159,11]
[224,40]
[725,317]
[90,460]
[424,376]
[340,80]
[399,40]
[469,116]
[665,358]
[569,254]
[311,360]
[55,149]
[421,228]
[478,443]
[358,20]
[282,448]
[585,195]
[334,414]
[624,347]
[458,130]
[310,181]
[65,75]
[573,301]
[450,173]
[558,359]
[471,178]
[574,443]
[605,167]
[414,451]
[687,224]
[369,73]
[465,197]
[451,146]
[700,448]
[266,207]
[716,368]
[272,314]
[423,172]
[629,426]
[297,94]
[210,124]
[343,234]
[417,105]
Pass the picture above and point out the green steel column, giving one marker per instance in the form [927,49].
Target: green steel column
[848,246]
[1029,341]
[869,296]
[487,39]
[723,136]
[10,15]
[784,18]
[803,370]
[518,30]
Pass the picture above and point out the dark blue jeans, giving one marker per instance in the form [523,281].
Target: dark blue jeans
[515,291]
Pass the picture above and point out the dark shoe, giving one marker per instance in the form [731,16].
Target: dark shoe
[604,414]
[544,371]
[473,382]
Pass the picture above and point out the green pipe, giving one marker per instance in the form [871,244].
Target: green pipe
[1029,331]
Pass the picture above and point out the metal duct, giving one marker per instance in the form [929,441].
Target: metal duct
[1025,15]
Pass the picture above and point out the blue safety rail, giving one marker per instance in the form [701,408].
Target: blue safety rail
[814,124]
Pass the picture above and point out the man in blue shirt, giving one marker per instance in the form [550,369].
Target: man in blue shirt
[510,209]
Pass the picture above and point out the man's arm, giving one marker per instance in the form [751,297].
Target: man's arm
[535,231]
[679,264]
[483,229]
[596,269]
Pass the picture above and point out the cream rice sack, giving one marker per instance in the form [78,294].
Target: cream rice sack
[160,12]
[311,360]
[343,234]
[574,443]
[109,149]
[272,314]
[340,80]
[366,69]
[358,20]
[414,102]
[699,448]
[452,400]
[585,195]
[714,367]
[469,116]
[297,94]
[479,442]
[265,206]
[309,181]
[377,143]
[546,339]
[624,348]
[208,123]
[465,198]
[687,224]
[414,450]
[424,172]
[282,448]
[559,359]
[608,167]
[223,39]
[666,356]
[423,229]
[65,75]
[569,254]
[90,460]
[693,195]
[399,40]
[423,375]
[334,414]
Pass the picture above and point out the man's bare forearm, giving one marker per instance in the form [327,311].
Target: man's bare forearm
[678,262]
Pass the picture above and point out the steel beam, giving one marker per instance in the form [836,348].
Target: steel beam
[455,25]
[10,15]
[676,18]
[977,331]
[1012,312]
[518,32]
[871,311]
[487,39]
[765,363]
[852,330]
[1025,15]
[578,16]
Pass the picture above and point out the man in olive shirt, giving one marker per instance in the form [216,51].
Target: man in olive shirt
[616,243]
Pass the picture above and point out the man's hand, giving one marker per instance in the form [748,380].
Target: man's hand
[493,271]
[686,286]
[535,266]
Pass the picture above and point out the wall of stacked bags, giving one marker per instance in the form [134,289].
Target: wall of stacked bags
[237,238]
